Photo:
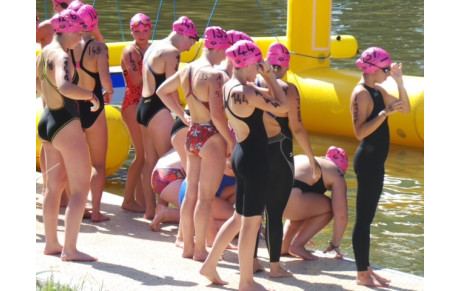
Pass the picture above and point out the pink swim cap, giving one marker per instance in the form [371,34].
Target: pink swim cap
[235,35]
[216,38]
[243,53]
[75,5]
[185,26]
[140,21]
[373,59]
[338,156]
[89,16]
[278,55]
[68,21]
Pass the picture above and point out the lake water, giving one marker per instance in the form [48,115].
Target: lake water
[397,234]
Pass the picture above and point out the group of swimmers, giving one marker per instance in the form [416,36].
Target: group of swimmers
[224,161]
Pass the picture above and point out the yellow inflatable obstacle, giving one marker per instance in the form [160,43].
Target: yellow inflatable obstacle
[119,141]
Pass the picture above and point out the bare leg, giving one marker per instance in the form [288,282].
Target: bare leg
[246,245]
[188,205]
[71,143]
[164,214]
[257,266]
[289,232]
[312,212]
[133,180]
[42,160]
[97,138]
[179,238]
[225,235]
[211,172]
[51,199]
[309,228]
[157,142]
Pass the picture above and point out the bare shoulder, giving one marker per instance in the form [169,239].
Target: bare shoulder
[213,73]
[100,44]
[361,95]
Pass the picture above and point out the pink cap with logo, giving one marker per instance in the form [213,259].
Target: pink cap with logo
[89,16]
[140,21]
[67,21]
[185,26]
[216,38]
[338,156]
[278,55]
[235,35]
[244,53]
[373,59]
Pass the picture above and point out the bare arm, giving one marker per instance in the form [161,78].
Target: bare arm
[64,83]
[171,67]
[340,212]
[392,103]
[297,127]
[340,209]
[167,91]
[278,103]
[38,85]
[104,73]
[266,71]
[361,108]
[218,116]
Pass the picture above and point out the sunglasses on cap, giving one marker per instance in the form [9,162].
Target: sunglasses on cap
[143,22]
[385,70]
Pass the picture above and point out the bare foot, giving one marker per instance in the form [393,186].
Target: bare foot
[253,286]
[77,256]
[52,249]
[149,216]
[302,253]
[179,243]
[87,213]
[276,271]
[257,267]
[231,247]
[212,275]
[132,206]
[187,252]
[382,280]
[200,256]
[159,217]
[366,279]
[99,217]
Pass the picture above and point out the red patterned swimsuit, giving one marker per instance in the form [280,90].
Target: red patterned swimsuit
[133,93]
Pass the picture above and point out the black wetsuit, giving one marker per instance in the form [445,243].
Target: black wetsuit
[280,179]
[250,164]
[368,164]
[149,106]
[54,119]
[87,117]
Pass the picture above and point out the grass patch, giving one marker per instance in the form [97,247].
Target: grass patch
[52,285]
